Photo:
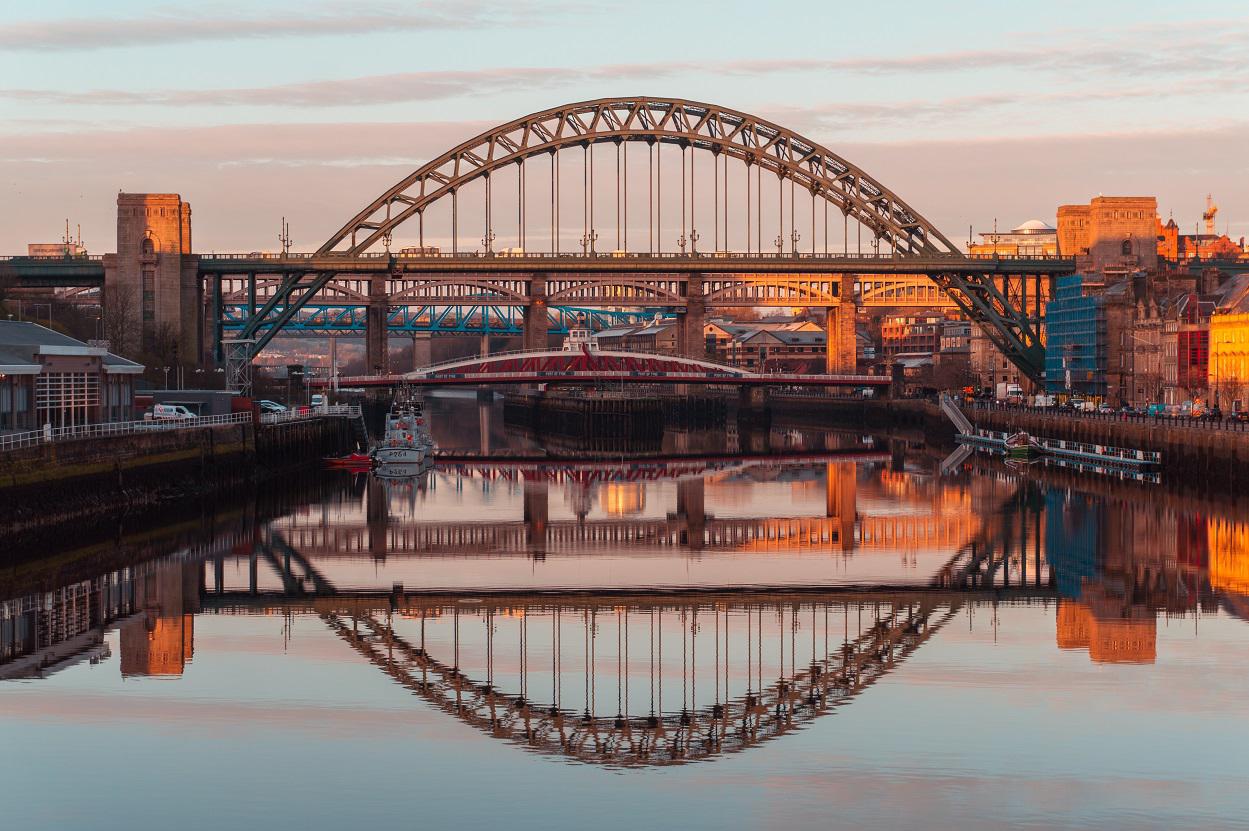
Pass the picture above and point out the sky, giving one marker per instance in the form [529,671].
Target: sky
[973,112]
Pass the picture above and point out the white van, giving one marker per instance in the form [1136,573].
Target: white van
[168,412]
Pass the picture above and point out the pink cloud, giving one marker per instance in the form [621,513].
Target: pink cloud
[178,27]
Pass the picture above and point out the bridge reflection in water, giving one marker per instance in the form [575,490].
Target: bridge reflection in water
[626,675]
[640,680]
[387,522]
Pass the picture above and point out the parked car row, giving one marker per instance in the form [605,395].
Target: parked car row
[180,412]
[1188,409]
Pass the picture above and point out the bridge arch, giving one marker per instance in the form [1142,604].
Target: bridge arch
[689,124]
[433,291]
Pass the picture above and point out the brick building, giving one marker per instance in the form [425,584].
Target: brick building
[911,333]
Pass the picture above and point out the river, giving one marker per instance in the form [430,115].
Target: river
[791,627]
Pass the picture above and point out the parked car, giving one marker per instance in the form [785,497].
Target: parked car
[1105,407]
[1240,415]
[318,399]
[1156,410]
[168,412]
[267,406]
[1076,404]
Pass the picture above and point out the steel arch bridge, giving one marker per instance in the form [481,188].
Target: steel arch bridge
[687,124]
[714,152]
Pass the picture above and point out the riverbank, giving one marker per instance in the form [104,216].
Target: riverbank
[94,478]
[1201,457]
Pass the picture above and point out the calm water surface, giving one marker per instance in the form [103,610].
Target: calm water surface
[569,645]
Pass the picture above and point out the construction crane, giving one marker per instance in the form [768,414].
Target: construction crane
[1209,214]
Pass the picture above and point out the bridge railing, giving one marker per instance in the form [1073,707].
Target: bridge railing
[629,255]
[91,258]
[12,441]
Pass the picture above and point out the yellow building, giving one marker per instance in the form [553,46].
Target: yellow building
[1229,556]
[1228,367]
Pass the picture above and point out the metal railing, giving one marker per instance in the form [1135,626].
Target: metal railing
[30,438]
[1190,422]
[308,413]
[91,258]
[629,255]
[12,441]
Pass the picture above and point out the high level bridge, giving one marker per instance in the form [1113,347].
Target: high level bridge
[684,207]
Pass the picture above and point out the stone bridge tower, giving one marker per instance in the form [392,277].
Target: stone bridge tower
[151,285]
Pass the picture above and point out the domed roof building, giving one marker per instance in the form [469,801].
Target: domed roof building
[1031,239]
[1034,226]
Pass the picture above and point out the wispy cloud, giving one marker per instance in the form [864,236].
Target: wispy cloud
[180,26]
[857,116]
[1205,60]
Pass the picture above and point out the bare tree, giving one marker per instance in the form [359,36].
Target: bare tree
[121,320]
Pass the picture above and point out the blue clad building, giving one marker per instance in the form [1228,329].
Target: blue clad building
[1075,325]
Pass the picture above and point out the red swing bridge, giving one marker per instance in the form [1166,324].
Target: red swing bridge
[595,368]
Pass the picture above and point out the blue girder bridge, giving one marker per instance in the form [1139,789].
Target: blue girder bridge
[322,319]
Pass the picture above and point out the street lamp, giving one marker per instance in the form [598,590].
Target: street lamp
[166,377]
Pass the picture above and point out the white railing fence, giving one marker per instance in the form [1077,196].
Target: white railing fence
[30,438]
[306,413]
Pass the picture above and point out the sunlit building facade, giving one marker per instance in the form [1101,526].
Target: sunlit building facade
[1228,363]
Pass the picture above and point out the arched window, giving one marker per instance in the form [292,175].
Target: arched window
[149,246]
[1126,248]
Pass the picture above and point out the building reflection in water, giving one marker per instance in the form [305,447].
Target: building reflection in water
[159,638]
[649,674]
[153,604]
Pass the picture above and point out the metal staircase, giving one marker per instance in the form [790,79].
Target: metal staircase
[952,412]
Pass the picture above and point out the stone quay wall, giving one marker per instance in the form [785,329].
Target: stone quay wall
[1204,456]
[71,480]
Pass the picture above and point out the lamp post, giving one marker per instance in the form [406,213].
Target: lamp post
[166,377]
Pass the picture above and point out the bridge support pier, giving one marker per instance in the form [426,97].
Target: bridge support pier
[691,342]
[377,515]
[536,500]
[376,338]
[841,500]
[422,350]
[691,511]
[841,354]
[534,335]
[752,397]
